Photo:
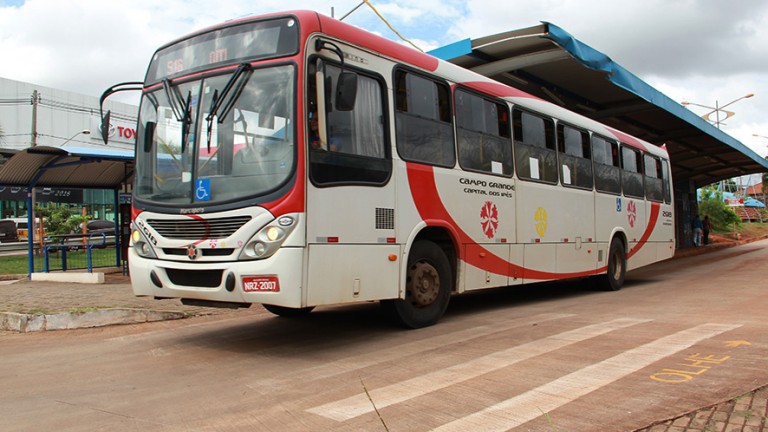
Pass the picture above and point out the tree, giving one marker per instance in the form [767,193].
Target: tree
[720,215]
[58,219]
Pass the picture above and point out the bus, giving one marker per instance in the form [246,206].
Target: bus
[292,160]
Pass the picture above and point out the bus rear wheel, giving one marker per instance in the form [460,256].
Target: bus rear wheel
[288,312]
[613,279]
[428,287]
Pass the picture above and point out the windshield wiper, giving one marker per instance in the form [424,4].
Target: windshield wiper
[169,195]
[217,101]
[181,110]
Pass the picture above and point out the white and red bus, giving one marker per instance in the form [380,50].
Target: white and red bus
[294,161]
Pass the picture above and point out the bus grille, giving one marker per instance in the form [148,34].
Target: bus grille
[196,229]
[195,278]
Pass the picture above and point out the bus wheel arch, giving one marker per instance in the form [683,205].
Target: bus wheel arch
[429,283]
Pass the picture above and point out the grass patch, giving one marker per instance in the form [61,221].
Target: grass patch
[76,260]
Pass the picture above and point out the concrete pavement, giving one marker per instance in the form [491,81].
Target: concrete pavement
[35,306]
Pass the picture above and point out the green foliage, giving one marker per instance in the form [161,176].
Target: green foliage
[59,219]
[720,215]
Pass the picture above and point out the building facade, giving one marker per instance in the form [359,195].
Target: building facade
[33,115]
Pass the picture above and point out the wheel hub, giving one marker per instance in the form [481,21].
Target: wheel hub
[425,284]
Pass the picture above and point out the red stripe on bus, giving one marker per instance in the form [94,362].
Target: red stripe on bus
[654,217]
[421,180]
[628,139]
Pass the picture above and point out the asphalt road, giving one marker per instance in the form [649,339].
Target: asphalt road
[682,334]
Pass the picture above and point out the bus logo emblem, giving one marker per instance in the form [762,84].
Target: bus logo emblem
[192,252]
[541,221]
[489,219]
[631,213]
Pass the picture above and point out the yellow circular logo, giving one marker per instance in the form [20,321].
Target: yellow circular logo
[541,221]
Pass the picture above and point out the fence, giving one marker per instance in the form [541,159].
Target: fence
[77,252]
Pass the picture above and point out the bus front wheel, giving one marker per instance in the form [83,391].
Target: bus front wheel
[428,287]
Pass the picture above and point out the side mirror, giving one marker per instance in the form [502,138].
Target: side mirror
[105,126]
[346,91]
[149,136]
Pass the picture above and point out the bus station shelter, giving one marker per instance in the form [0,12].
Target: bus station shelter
[549,63]
[70,167]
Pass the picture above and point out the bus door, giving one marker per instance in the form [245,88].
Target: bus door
[350,195]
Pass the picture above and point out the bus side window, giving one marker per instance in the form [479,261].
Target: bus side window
[356,151]
[423,124]
[535,153]
[482,128]
[631,172]
[575,157]
[665,178]
[653,181]
[605,155]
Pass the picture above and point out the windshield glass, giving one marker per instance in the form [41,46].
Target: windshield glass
[187,154]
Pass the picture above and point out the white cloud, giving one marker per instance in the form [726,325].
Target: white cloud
[700,50]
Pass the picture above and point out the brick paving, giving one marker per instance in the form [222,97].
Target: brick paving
[747,413]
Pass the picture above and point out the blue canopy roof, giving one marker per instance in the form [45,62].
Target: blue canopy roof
[550,63]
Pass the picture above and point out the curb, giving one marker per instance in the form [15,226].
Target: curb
[24,323]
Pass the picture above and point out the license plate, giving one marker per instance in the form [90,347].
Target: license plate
[261,284]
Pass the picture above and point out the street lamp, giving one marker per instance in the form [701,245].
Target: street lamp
[83,132]
[717,109]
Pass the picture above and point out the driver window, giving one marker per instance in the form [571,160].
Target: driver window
[356,150]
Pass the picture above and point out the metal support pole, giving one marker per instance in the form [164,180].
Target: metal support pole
[118,222]
[30,233]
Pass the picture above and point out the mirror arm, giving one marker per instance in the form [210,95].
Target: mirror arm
[330,46]
[124,86]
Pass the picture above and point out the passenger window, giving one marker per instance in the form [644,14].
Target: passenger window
[356,151]
[535,153]
[605,155]
[483,133]
[575,157]
[423,120]
[631,172]
[653,181]
[665,178]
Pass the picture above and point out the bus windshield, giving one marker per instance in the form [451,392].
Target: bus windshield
[217,139]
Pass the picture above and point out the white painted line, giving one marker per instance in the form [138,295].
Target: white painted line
[530,405]
[360,404]
[372,358]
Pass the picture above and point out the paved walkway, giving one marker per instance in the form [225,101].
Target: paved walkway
[24,296]
[27,306]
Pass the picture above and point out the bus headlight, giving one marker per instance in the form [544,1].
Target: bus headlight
[269,239]
[141,245]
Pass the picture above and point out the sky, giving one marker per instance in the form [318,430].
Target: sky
[703,51]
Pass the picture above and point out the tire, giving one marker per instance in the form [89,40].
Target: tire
[428,287]
[613,279]
[287,312]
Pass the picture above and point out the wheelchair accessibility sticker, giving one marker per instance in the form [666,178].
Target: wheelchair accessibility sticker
[203,190]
